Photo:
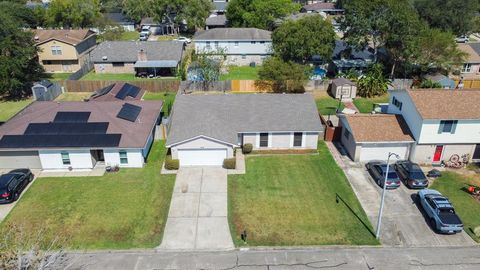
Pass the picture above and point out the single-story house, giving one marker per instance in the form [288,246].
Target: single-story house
[121,20]
[152,58]
[344,89]
[216,21]
[443,80]
[372,136]
[470,69]
[79,135]
[206,129]
[118,91]
[241,46]
[346,57]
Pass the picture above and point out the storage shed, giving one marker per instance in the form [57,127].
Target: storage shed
[342,88]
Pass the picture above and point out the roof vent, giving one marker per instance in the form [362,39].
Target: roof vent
[36,38]
[105,58]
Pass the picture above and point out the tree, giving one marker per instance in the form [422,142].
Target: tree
[258,13]
[300,40]
[73,13]
[456,16]
[19,66]
[430,84]
[112,32]
[191,12]
[283,77]
[373,83]
[138,9]
[21,12]
[208,66]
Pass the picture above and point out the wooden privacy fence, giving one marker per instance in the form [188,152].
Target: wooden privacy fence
[469,84]
[92,86]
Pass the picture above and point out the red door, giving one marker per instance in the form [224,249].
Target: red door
[438,153]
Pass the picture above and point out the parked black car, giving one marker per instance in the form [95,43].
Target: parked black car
[13,183]
[378,169]
[411,174]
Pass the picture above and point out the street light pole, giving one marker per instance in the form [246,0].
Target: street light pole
[379,221]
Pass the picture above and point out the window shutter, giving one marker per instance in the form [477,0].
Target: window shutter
[440,127]
[454,126]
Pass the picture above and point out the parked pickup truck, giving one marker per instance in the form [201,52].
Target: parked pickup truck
[440,211]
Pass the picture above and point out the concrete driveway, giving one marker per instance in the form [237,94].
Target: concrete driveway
[197,219]
[404,222]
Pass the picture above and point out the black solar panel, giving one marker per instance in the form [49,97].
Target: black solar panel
[128,90]
[71,117]
[102,91]
[129,112]
[35,141]
[66,128]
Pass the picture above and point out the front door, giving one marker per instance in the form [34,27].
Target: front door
[476,153]
[438,153]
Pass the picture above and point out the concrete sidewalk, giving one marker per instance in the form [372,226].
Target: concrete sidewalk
[197,219]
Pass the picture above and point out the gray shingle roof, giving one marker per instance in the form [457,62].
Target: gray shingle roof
[218,20]
[222,117]
[234,34]
[127,51]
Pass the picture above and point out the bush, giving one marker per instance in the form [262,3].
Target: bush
[229,163]
[247,148]
[172,164]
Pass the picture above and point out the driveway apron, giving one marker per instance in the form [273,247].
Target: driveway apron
[197,219]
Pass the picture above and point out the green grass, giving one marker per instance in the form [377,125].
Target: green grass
[365,105]
[10,108]
[327,105]
[130,35]
[127,209]
[290,200]
[92,76]
[452,185]
[167,98]
[240,73]
[57,76]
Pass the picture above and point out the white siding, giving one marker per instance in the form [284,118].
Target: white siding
[282,140]
[134,156]
[467,131]
[409,112]
[52,159]
[244,47]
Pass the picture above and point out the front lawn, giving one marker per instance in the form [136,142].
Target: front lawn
[365,105]
[240,73]
[327,105]
[127,209]
[10,108]
[291,200]
[92,76]
[452,185]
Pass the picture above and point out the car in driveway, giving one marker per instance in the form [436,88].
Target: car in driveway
[378,170]
[184,39]
[411,174]
[440,211]
[13,183]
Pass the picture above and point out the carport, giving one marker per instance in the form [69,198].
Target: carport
[165,68]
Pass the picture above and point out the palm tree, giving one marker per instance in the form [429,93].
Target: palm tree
[374,83]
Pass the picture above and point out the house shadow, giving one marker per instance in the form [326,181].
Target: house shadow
[339,199]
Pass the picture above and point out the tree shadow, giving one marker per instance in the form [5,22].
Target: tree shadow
[338,198]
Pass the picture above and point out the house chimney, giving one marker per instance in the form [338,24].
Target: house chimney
[142,55]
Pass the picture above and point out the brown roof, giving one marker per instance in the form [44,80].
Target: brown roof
[110,96]
[447,104]
[134,134]
[72,37]
[472,55]
[379,128]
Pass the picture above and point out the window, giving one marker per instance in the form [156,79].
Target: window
[346,134]
[467,68]
[262,42]
[208,45]
[447,126]
[56,50]
[216,44]
[236,43]
[397,103]
[253,42]
[263,139]
[297,139]
[123,157]
[244,56]
[118,64]
[66,158]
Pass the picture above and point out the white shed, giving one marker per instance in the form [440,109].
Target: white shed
[342,88]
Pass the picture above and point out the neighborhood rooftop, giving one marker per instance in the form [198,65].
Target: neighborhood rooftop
[379,128]
[72,37]
[234,34]
[447,104]
[127,51]
[133,134]
[222,117]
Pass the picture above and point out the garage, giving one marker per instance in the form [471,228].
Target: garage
[380,151]
[202,157]
[20,159]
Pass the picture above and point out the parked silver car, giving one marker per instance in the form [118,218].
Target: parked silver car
[378,170]
[440,211]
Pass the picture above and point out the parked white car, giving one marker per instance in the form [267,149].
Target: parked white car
[184,39]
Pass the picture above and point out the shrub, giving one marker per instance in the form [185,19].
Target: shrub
[229,163]
[172,164]
[247,148]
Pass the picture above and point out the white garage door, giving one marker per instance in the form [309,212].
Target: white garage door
[380,152]
[202,157]
[19,159]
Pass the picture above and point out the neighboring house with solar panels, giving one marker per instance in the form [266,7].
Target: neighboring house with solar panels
[118,91]
[79,135]
[152,58]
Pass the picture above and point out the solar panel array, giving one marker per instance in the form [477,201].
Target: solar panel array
[69,129]
[129,112]
[102,91]
[128,90]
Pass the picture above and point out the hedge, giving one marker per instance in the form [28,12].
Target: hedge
[247,148]
[172,164]
[229,163]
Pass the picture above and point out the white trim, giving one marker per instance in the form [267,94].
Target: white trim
[304,139]
[197,137]
[257,140]
[269,140]
[292,135]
